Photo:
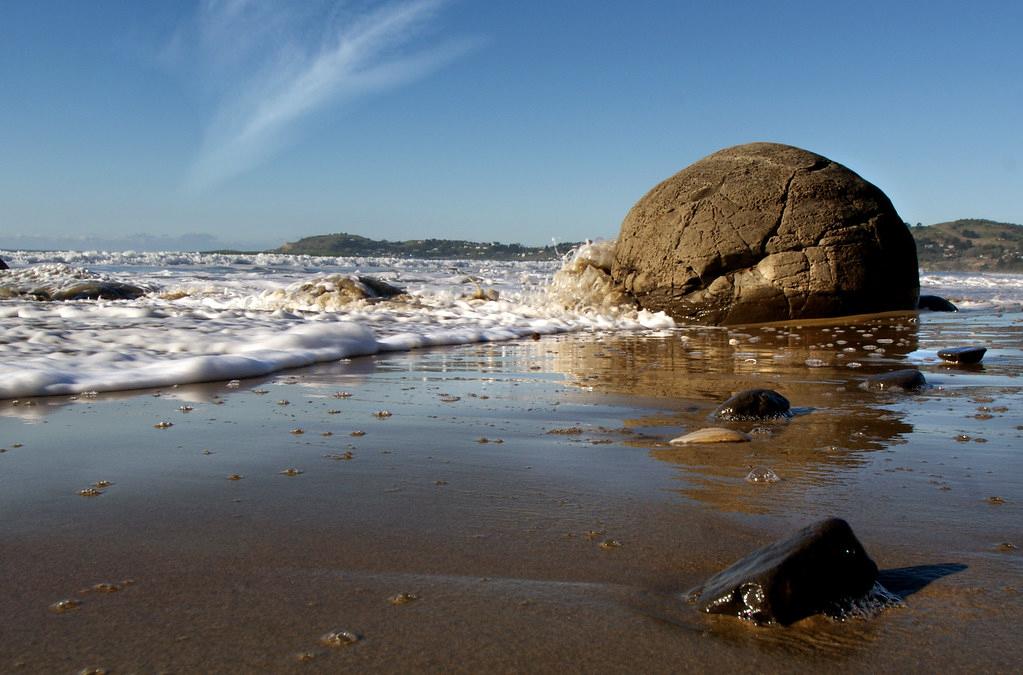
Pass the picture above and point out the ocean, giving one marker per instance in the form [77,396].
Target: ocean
[209,317]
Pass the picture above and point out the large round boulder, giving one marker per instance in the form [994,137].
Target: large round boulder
[766,232]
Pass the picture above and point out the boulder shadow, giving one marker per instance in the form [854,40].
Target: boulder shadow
[905,581]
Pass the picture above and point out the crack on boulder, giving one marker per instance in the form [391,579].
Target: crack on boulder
[708,190]
[739,236]
[820,164]
[788,300]
[781,216]
[805,297]
[873,227]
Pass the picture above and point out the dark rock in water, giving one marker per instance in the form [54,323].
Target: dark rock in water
[964,355]
[812,571]
[3,265]
[766,232]
[341,289]
[93,290]
[936,304]
[907,380]
[754,404]
[380,288]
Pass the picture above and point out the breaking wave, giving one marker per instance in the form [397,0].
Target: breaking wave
[209,317]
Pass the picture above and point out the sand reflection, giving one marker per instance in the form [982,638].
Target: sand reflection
[818,366]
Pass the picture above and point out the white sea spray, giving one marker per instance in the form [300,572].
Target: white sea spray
[976,290]
[584,281]
[208,317]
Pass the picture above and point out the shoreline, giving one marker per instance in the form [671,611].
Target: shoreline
[501,541]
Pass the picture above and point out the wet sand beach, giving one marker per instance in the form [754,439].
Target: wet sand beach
[512,507]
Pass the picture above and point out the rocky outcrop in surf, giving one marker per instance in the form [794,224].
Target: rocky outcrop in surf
[766,232]
[330,292]
[58,282]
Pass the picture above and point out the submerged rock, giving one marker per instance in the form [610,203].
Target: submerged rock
[754,404]
[378,288]
[936,304]
[766,232]
[712,435]
[814,570]
[93,290]
[963,355]
[485,294]
[59,282]
[330,292]
[906,380]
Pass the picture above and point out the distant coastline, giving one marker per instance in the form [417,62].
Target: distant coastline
[344,244]
[969,245]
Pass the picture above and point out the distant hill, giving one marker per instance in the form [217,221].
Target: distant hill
[343,244]
[970,245]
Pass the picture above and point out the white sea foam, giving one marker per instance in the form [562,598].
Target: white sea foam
[585,279]
[976,291]
[209,317]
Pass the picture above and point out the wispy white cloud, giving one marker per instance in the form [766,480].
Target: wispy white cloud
[266,73]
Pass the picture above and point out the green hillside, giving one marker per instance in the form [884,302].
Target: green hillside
[970,245]
[343,244]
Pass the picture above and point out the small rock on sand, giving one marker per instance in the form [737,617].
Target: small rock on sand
[906,380]
[403,598]
[754,404]
[810,572]
[963,355]
[62,606]
[339,638]
[712,435]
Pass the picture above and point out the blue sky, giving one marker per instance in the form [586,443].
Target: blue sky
[259,123]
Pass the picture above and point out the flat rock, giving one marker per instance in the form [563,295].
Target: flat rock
[754,404]
[712,435]
[907,380]
[963,355]
[766,232]
[936,303]
[811,572]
